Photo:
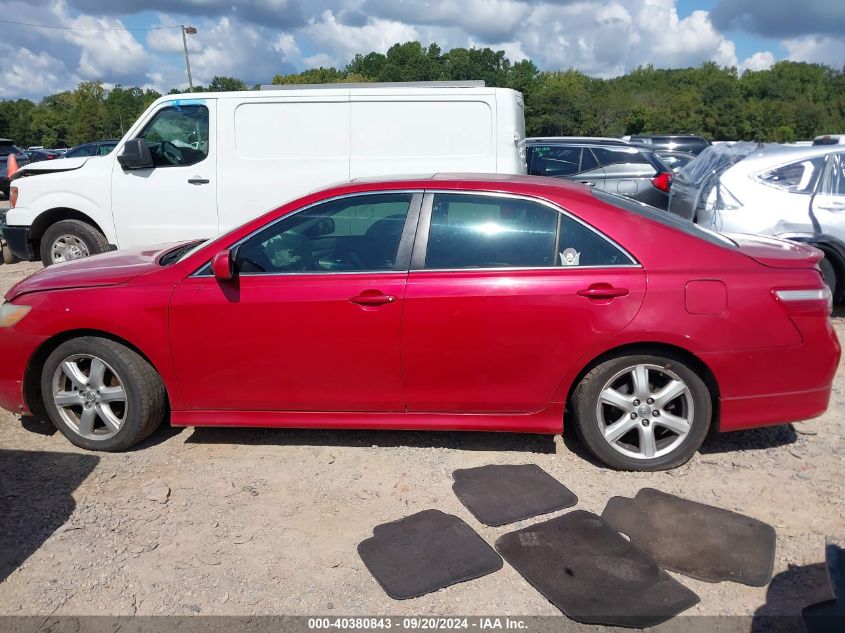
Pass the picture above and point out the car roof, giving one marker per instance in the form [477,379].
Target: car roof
[773,155]
[607,140]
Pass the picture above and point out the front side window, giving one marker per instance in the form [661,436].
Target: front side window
[797,177]
[82,150]
[356,233]
[178,135]
[105,149]
[476,231]
[548,160]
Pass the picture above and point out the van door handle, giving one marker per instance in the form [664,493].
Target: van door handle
[602,291]
[197,180]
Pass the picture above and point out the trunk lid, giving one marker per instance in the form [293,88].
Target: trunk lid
[777,253]
[107,269]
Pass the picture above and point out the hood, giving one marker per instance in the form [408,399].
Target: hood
[777,253]
[107,269]
[50,166]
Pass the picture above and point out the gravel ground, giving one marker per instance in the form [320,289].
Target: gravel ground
[241,522]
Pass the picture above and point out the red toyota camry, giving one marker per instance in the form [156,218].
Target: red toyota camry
[449,302]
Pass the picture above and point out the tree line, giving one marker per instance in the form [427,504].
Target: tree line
[789,101]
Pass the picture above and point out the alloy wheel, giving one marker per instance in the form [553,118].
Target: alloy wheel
[66,248]
[89,396]
[645,411]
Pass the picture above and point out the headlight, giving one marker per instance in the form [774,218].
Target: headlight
[11,313]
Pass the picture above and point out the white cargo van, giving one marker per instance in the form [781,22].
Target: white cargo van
[195,165]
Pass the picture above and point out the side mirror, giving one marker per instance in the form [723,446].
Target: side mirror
[135,155]
[223,266]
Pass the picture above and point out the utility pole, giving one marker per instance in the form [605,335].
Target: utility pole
[190,30]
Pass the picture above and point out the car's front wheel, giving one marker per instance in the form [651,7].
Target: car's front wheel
[102,395]
[68,240]
[642,412]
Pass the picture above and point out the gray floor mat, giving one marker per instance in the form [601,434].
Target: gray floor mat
[426,552]
[496,495]
[591,573]
[694,539]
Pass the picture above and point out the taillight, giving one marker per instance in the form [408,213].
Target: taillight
[662,181]
[806,301]
[13,197]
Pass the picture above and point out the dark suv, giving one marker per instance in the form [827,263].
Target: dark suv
[677,142]
[608,165]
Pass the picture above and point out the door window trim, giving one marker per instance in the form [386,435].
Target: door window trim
[421,243]
[403,254]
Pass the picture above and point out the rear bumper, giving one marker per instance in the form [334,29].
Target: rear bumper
[17,237]
[777,385]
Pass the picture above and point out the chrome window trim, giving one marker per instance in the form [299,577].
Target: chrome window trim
[421,244]
[205,270]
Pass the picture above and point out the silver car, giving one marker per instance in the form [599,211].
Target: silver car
[796,193]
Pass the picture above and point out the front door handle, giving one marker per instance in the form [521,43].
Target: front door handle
[197,180]
[589,183]
[602,291]
[372,299]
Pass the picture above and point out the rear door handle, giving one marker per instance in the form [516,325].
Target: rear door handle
[372,299]
[603,291]
[197,180]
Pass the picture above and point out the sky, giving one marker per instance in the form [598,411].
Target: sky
[257,39]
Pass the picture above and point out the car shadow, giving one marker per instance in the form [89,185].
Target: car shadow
[749,440]
[35,499]
[38,426]
[463,440]
[788,593]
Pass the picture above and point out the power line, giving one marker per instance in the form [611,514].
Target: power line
[75,28]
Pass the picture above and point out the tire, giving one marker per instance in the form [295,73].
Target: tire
[8,255]
[80,240]
[139,413]
[636,420]
[828,271]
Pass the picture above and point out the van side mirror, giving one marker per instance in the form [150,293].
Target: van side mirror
[223,265]
[135,155]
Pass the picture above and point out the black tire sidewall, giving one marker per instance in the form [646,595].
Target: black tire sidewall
[93,239]
[586,423]
[103,349]
[828,271]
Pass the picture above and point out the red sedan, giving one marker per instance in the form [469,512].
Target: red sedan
[450,302]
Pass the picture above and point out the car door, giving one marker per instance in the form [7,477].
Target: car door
[311,321]
[504,294]
[829,200]
[176,199]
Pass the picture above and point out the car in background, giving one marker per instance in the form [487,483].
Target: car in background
[689,143]
[564,305]
[97,148]
[830,139]
[611,165]
[36,155]
[797,193]
[675,160]
[8,148]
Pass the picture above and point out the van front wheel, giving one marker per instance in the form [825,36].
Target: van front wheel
[71,239]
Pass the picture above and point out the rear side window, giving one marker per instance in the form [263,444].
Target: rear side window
[618,156]
[549,160]
[798,177]
[479,231]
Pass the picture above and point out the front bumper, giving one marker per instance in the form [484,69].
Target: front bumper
[16,350]
[17,237]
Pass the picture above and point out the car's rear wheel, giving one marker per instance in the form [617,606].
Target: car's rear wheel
[101,394]
[828,271]
[67,240]
[642,412]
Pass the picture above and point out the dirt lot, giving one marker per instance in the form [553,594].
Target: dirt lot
[267,521]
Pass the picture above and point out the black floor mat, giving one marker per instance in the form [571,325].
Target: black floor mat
[694,539]
[591,573]
[497,495]
[426,552]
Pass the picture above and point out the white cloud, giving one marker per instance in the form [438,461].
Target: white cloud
[817,48]
[761,60]
[110,54]
[25,72]
[340,42]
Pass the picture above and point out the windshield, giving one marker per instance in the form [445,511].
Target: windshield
[180,252]
[665,218]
